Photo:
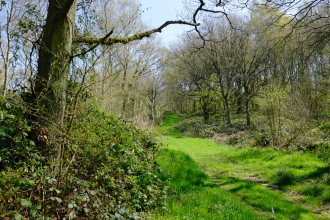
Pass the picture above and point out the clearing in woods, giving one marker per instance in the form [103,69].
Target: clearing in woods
[212,181]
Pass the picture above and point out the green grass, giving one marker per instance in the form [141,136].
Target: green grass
[166,126]
[193,196]
[275,184]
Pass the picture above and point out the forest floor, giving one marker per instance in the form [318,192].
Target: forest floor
[212,181]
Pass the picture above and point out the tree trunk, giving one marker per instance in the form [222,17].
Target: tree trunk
[53,67]
[205,108]
[228,115]
[247,112]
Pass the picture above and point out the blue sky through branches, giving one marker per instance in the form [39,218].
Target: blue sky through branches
[156,12]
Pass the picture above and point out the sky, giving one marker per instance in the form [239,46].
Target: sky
[156,12]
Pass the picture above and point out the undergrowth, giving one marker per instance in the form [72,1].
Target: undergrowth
[108,171]
[315,140]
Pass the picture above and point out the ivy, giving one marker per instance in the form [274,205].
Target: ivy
[108,169]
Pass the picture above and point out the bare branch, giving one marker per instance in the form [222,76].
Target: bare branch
[93,47]
[125,40]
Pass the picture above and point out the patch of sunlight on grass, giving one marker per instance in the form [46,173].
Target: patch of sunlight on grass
[166,126]
[193,196]
[276,184]
[243,170]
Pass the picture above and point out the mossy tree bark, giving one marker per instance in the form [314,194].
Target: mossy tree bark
[53,67]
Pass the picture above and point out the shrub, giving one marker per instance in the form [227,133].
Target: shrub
[262,140]
[321,149]
[197,127]
[239,139]
[108,172]
[15,148]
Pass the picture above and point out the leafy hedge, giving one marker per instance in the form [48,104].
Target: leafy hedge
[108,171]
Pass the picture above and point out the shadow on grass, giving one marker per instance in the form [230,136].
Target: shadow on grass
[270,204]
[180,168]
[192,194]
[319,172]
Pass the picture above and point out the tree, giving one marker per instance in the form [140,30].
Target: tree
[56,53]
[222,52]
[14,28]
[199,80]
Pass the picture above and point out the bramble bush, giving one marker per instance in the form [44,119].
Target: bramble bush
[108,170]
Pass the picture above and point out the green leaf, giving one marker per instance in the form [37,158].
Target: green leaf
[26,182]
[70,206]
[3,132]
[8,106]
[25,203]
[18,137]
[59,200]
[18,216]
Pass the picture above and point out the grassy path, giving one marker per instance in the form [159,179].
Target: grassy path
[210,181]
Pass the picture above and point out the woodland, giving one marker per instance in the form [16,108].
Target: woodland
[88,88]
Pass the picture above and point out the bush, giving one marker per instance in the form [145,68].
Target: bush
[262,140]
[108,171]
[197,127]
[194,127]
[238,139]
[322,149]
[15,148]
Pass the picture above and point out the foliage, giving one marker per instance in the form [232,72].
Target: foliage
[108,171]
[321,149]
[16,148]
[261,139]
[197,127]
[194,127]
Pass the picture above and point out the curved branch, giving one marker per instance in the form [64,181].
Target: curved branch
[93,47]
[200,8]
[125,40]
